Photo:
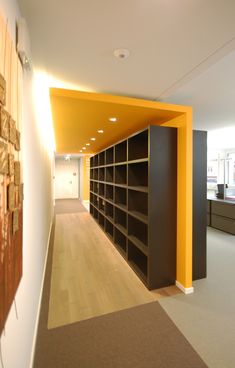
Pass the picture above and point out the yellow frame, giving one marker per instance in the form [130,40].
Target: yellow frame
[166,115]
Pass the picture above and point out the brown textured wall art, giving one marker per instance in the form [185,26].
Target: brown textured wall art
[15,224]
[12,136]
[11,197]
[2,90]
[11,188]
[11,164]
[21,193]
[3,158]
[17,172]
[17,143]
[4,127]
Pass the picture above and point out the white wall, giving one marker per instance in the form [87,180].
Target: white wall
[10,11]
[18,338]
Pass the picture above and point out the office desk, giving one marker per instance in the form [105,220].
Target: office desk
[221,214]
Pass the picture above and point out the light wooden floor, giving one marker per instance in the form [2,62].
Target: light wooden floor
[89,276]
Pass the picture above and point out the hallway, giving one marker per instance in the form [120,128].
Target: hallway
[138,333]
[204,311]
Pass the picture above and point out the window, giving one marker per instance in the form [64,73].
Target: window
[221,170]
[230,169]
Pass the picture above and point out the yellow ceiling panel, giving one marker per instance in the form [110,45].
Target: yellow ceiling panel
[77,117]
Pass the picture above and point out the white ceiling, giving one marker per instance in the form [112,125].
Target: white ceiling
[212,95]
[172,44]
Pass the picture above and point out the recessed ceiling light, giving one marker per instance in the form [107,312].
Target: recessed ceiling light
[100,131]
[92,139]
[87,144]
[113,120]
[84,148]
[80,150]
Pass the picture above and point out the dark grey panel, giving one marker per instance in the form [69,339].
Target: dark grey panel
[162,206]
[200,204]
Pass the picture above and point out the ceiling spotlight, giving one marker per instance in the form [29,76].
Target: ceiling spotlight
[100,131]
[87,144]
[92,139]
[80,150]
[83,148]
[121,53]
[113,120]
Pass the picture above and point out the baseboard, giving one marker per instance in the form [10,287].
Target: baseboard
[39,302]
[86,204]
[185,290]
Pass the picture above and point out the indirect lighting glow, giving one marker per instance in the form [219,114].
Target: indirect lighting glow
[43,111]
[113,120]
[92,139]
[100,131]
[56,81]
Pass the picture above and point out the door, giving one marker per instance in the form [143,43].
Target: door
[66,178]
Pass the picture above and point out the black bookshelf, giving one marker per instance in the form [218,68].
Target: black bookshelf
[101,220]
[96,187]
[109,154]
[138,174]
[121,220]
[120,241]
[109,211]
[138,205]
[109,192]
[133,199]
[121,152]
[121,174]
[109,228]
[138,146]
[109,170]
[101,189]
[101,158]
[121,197]
[101,174]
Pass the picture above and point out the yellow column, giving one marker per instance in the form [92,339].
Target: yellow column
[86,177]
[184,198]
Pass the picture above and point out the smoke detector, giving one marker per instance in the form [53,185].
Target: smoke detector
[121,53]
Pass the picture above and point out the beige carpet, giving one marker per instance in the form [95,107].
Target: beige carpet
[140,337]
